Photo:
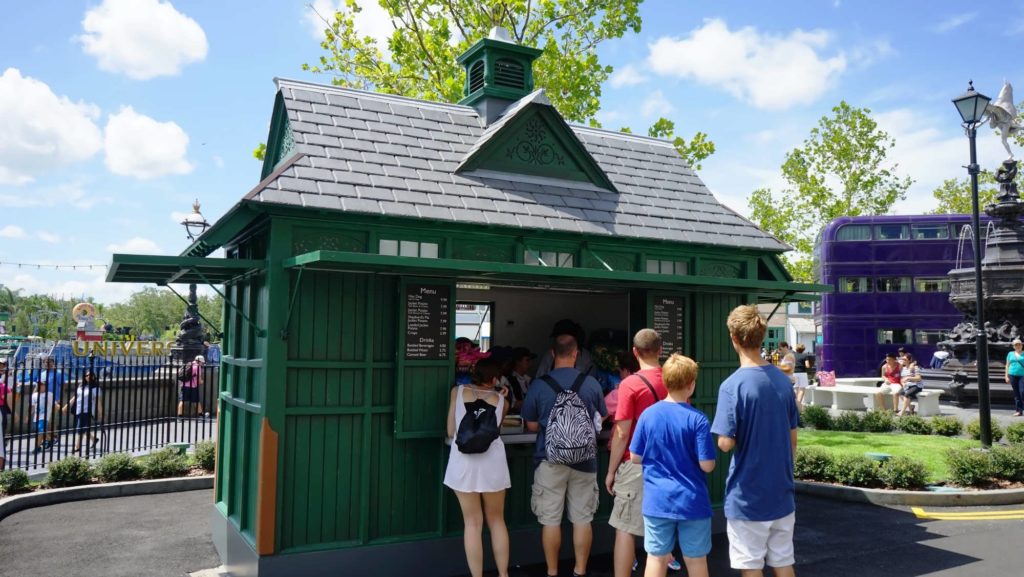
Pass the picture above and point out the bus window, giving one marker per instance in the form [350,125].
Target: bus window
[892,232]
[854,284]
[929,337]
[895,336]
[959,227]
[931,285]
[854,232]
[930,231]
[893,284]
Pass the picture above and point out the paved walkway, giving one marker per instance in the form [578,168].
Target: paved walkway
[169,535]
[151,535]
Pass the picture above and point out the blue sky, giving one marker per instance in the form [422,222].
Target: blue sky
[119,112]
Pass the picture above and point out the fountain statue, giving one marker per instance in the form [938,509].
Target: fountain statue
[1002,272]
[189,341]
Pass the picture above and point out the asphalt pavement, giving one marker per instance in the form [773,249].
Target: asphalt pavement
[149,535]
[169,535]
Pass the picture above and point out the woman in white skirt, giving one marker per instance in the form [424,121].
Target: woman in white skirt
[480,479]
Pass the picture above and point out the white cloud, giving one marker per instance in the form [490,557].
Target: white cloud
[628,75]
[90,283]
[655,104]
[218,161]
[930,154]
[48,237]
[768,71]
[372,21]
[142,39]
[61,195]
[135,245]
[954,22]
[40,131]
[871,52]
[138,146]
[12,231]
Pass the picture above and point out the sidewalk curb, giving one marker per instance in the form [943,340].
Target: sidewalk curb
[912,498]
[11,505]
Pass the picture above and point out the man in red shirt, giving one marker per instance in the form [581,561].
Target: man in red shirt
[636,392]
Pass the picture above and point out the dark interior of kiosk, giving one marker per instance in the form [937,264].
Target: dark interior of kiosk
[509,315]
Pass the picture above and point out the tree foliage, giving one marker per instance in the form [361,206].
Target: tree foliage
[419,61]
[151,311]
[842,169]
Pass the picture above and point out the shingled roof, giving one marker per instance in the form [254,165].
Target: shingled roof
[370,153]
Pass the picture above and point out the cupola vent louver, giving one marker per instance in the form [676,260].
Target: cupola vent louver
[476,76]
[509,73]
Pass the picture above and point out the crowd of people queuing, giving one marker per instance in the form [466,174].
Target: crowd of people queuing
[661,448]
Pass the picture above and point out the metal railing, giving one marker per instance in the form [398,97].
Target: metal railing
[136,404]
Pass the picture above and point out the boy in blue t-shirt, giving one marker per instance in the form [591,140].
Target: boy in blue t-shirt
[673,443]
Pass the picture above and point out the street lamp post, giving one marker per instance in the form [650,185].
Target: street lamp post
[972,105]
[189,341]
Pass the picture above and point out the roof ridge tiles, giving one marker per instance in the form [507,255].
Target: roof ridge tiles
[353,92]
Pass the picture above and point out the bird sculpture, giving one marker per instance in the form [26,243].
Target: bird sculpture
[1003,116]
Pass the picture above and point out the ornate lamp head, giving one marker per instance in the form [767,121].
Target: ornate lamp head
[195,223]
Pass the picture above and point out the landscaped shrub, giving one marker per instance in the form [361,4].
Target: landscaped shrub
[974,430]
[13,481]
[1015,433]
[947,425]
[878,422]
[855,471]
[813,463]
[118,467]
[1008,462]
[206,455]
[816,417]
[914,425]
[903,473]
[166,462]
[69,472]
[847,421]
[969,467]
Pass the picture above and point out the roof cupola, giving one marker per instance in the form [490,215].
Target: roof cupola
[498,72]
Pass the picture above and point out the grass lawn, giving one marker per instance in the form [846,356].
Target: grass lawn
[927,448]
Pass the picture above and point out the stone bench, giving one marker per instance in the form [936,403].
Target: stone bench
[859,398]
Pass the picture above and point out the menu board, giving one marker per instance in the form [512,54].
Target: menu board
[426,321]
[667,319]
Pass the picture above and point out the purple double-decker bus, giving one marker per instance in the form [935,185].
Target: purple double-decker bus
[890,287]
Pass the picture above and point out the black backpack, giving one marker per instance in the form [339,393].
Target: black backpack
[185,373]
[478,429]
[570,436]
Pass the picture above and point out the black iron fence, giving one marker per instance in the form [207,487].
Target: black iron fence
[90,406]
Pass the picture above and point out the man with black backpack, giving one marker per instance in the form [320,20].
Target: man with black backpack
[560,407]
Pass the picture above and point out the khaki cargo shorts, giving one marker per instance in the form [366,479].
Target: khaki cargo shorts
[627,514]
[552,484]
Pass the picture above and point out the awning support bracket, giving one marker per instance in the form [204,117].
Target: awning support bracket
[779,304]
[599,259]
[259,332]
[291,305]
[184,300]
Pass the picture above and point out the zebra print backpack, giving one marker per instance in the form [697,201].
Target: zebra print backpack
[570,435]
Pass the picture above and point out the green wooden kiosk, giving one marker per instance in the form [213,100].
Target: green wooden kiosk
[341,274]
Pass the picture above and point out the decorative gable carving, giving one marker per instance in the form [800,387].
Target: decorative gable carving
[533,139]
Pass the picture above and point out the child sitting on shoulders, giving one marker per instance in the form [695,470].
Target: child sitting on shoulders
[673,443]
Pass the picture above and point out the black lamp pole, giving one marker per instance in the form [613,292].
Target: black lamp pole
[972,106]
[984,403]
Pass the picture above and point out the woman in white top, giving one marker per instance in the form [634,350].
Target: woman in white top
[480,479]
[909,375]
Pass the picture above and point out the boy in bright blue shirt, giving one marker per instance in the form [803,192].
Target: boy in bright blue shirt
[673,443]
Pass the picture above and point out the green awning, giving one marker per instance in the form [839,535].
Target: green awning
[766,291]
[165,270]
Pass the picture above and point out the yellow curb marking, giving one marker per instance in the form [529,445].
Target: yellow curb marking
[1007,515]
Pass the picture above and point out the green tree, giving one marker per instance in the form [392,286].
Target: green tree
[419,60]
[842,169]
[954,195]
